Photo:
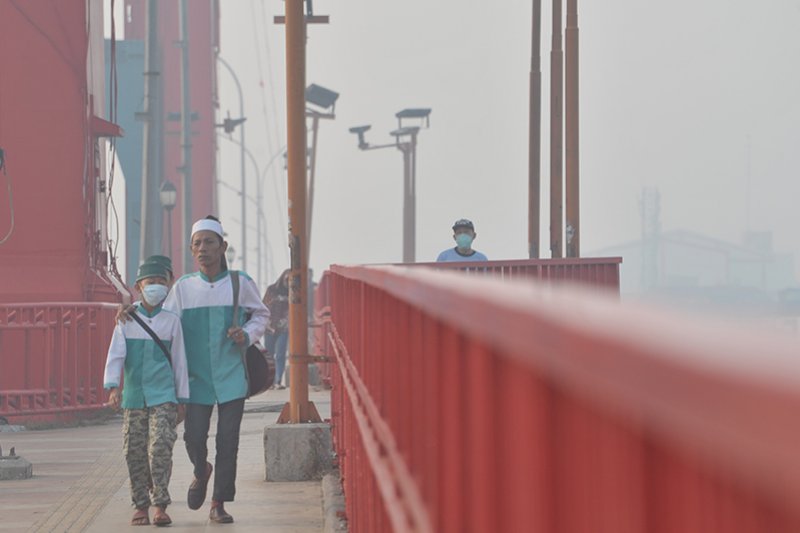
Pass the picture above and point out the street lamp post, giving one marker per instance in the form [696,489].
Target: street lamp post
[261,213]
[324,101]
[230,255]
[406,142]
[168,196]
[259,201]
[229,125]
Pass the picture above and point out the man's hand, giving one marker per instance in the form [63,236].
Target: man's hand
[237,335]
[123,313]
[114,398]
[181,414]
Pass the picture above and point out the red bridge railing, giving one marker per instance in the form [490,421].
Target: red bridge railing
[52,357]
[601,273]
[596,272]
[517,408]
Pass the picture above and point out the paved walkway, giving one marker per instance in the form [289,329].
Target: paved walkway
[80,481]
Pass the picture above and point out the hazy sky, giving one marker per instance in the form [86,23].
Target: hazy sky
[670,93]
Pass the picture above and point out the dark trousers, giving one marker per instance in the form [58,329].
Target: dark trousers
[229,421]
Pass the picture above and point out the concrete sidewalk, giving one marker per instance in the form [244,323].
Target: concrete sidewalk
[80,481]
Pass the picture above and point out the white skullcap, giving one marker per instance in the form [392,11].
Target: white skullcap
[206,224]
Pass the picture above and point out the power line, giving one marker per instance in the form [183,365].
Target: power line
[279,193]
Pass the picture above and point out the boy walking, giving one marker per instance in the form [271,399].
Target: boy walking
[153,385]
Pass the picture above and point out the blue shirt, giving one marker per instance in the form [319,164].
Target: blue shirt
[452,255]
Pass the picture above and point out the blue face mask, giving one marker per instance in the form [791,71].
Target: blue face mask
[154,294]
[464,240]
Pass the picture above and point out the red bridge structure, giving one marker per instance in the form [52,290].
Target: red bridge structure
[59,282]
[499,405]
[507,396]
[55,257]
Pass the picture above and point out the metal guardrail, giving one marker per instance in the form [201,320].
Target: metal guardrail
[518,408]
[52,357]
[601,273]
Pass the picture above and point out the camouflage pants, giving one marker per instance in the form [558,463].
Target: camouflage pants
[148,437]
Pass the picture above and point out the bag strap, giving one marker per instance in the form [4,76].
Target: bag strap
[152,333]
[243,351]
[235,285]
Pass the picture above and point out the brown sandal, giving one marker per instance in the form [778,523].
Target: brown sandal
[141,517]
[161,518]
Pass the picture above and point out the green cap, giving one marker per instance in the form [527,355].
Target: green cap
[162,260]
[150,269]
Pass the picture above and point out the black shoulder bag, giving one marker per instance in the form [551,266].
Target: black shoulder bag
[152,333]
[259,367]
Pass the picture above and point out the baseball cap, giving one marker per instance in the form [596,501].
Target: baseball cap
[464,223]
[151,270]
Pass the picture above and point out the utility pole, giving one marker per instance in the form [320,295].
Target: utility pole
[186,137]
[151,212]
[410,201]
[408,217]
[556,135]
[535,134]
[299,409]
[573,233]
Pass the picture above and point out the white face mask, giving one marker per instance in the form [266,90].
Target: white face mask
[154,294]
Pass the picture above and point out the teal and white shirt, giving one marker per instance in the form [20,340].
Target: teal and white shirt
[149,378]
[216,371]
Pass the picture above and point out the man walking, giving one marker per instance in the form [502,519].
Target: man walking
[217,375]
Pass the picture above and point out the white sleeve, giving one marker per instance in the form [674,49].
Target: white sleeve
[179,365]
[250,300]
[173,300]
[115,361]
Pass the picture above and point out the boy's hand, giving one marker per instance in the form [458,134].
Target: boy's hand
[237,335]
[114,399]
[181,414]
[123,313]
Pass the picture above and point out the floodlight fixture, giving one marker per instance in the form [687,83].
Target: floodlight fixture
[421,113]
[321,97]
[401,132]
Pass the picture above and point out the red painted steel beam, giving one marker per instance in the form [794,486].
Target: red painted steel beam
[46,132]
